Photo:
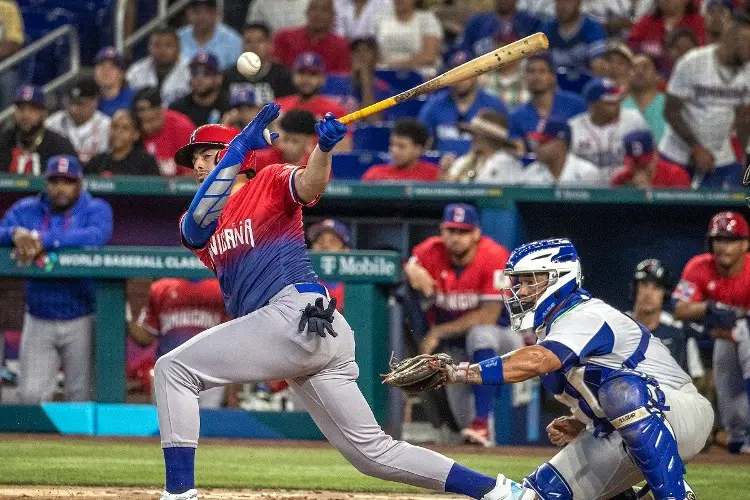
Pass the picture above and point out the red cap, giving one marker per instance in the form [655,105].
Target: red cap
[728,225]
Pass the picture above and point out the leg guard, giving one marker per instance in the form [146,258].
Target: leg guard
[634,404]
[548,483]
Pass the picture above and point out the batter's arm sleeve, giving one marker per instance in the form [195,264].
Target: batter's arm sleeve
[96,233]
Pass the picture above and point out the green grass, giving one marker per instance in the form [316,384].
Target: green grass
[88,462]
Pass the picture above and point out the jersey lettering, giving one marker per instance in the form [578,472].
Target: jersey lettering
[240,234]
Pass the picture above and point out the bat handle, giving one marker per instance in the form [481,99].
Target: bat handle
[369,110]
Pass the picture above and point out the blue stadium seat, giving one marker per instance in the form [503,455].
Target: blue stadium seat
[399,80]
[457,146]
[338,85]
[371,137]
[54,60]
[353,165]
[572,81]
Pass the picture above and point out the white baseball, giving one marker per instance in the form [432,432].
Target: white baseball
[248,64]
[267,135]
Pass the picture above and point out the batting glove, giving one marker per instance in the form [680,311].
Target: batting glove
[251,137]
[330,131]
[719,315]
[318,320]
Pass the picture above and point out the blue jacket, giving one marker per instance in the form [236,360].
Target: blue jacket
[87,223]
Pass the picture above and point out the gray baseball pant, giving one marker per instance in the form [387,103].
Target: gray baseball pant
[265,344]
[731,397]
[44,344]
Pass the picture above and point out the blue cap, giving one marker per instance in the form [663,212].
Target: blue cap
[603,89]
[639,148]
[205,60]
[309,61]
[64,166]
[330,226]
[724,3]
[32,94]
[552,129]
[460,216]
[459,57]
[110,54]
[242,96]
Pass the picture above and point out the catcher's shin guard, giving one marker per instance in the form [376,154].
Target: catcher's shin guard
[635,406]
[548,483]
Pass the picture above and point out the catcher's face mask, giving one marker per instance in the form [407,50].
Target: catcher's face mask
[524,291]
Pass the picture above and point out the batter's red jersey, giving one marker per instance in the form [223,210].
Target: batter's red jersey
[258,246]
[179,309]
[700,282]
[459,291]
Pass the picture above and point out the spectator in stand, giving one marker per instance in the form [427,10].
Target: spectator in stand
[409,38]
[679,42]
[58,326]
[598,133]
[297,139]
[163,68]
[506,21]
[364,80]
[706,90]
[126,155]
[445,110]
[206,33]
[11,41]
[109,74]
[547,101]
[177,310]
[277,14]
[507,83]
[27,144]
[491,159]
[81,123]
[407,144]
[331,235]
[577,42]
[272,80]
[619,59]
[718,18]
[243,107]
[207,102]
[163,131]
[650,33]
[316,36]
[644,168]
[616,14]
[308,77]
[645,95]
[357,18]
[555,164]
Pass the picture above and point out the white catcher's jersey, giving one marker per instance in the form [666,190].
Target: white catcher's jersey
[710,92]
[593,339]
[602,145]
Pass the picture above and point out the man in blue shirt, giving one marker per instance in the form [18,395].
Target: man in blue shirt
[505,21]
[446,110]
[206,33]
[59,322]
[547,101]
[109,73]
[577,44]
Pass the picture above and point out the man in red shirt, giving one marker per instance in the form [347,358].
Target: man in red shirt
[176,311]
[164,131]
[645,168]
[316,36]
[461,273]
[408,142]
[715,290]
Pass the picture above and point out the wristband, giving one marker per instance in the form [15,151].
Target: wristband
[492,371]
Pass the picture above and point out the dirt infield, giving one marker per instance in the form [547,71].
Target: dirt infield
[85,493]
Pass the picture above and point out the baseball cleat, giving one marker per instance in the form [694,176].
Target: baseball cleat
[507,489]
[478,433]
[188,495]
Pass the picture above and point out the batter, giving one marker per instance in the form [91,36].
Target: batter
[247,228]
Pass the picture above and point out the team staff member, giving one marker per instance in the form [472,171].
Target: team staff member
[461,271]
[59,323]
[176,311]
[715,289]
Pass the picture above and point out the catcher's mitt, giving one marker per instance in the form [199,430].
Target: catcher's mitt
[420,373]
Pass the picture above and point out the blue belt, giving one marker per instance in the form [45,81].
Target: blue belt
[311,288]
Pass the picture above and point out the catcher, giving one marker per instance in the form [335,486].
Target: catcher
[635,413]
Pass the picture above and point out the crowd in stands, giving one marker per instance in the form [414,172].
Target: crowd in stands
[672,73]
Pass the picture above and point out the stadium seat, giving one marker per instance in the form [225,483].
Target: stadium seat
[371,137]
[399,80]
[353,165]
[337,85]
[457,146]
[572,81]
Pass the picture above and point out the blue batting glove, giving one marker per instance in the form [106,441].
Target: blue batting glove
[251,137]
[330,131]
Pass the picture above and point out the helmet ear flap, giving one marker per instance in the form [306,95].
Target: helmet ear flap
[220,154]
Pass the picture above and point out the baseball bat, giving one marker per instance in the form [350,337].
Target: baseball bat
[532,44]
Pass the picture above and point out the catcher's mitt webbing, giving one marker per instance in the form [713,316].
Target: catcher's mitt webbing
[418,374]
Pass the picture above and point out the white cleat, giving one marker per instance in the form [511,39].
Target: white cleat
[188,495]
[507,489]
